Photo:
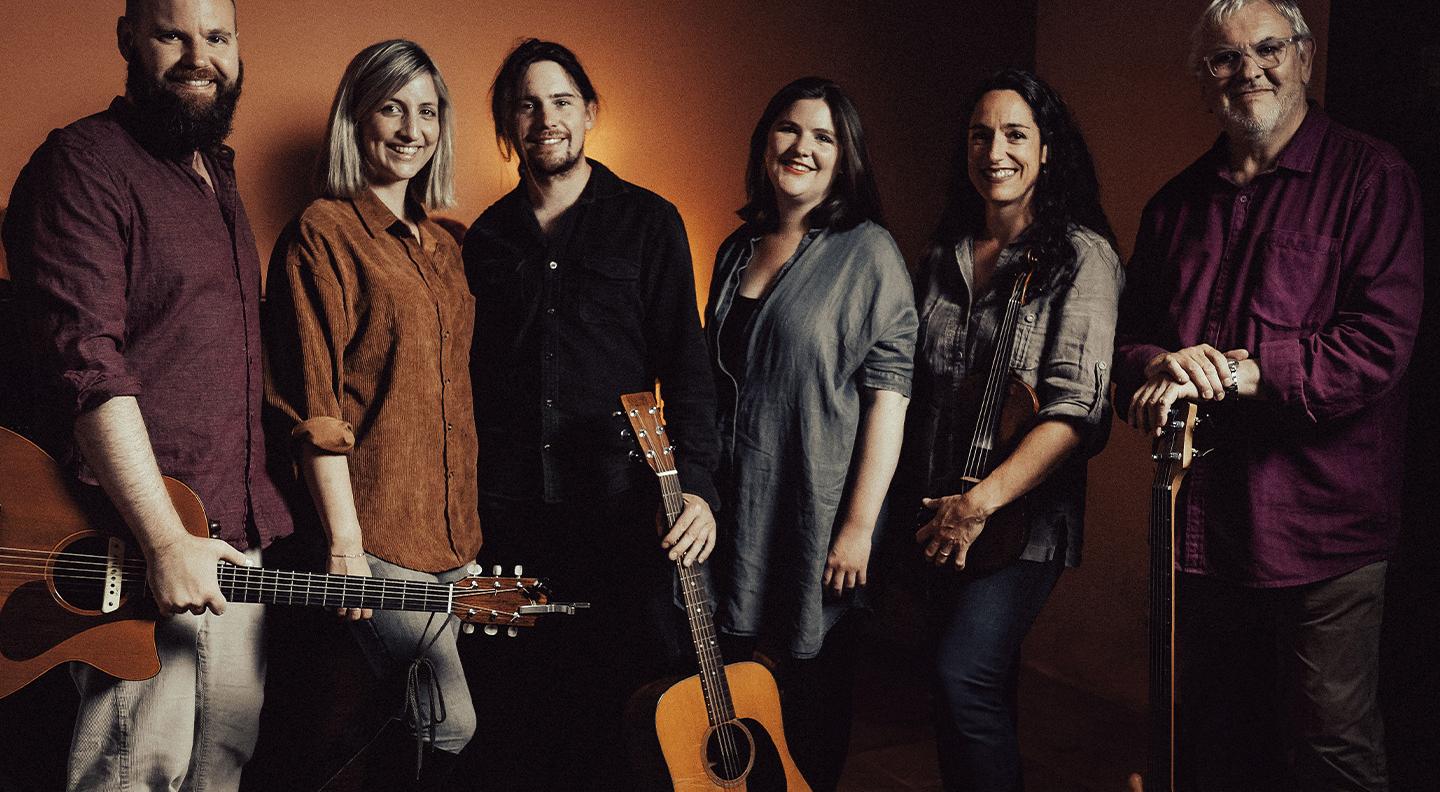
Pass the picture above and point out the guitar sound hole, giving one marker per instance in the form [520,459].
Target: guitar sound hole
[78,572]
[729,752]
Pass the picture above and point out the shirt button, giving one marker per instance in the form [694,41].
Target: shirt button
[545,447]
[449,427]
[1244,199]
[549,355]
[550,311]
[554,265]
[445,334]
[1029,318]
[549,402]
[449,474]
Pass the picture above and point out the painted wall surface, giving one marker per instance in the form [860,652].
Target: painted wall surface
[1121,68]
[681,85]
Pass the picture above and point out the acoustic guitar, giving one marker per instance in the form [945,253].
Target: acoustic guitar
[73,587]
[1173,451]
[720,729]
[999,407]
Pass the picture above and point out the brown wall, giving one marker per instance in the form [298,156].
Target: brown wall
[1121,68]
[681,85]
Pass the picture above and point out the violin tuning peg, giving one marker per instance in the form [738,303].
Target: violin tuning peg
[491,629]
[496,570]
[519,570]
[511,632]
[467,628]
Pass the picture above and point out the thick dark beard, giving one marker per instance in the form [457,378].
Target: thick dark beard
[169,124]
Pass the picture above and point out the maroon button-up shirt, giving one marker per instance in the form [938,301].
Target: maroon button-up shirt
[135,278]
[1315,268]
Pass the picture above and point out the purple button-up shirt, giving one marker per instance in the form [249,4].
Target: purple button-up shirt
[1315,268]
[135,278]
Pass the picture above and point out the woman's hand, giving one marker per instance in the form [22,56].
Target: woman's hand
[847,561]
[957,523]
[352,563]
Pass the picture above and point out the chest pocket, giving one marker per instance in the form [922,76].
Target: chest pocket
[495,281]
[1294,287]
[605,290]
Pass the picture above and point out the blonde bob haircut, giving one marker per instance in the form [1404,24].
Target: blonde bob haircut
[373,76]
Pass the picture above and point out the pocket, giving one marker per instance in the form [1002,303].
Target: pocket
[495,281]
[1295,286]
[606,290]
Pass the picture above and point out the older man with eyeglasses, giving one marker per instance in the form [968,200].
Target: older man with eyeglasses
[1277,282]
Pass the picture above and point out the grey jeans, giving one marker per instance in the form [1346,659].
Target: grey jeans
[392,639]
[191,727]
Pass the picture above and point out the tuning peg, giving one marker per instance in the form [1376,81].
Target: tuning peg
[625,433]
[511,632]
[467,628]
[519,570]
[634,454]
[473,568]
[617,413]
[491,629]
[496,570]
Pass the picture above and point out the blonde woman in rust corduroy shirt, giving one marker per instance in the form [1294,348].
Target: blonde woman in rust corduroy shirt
[368,325]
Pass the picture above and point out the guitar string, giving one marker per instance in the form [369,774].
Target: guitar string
[246,581]
[673,499]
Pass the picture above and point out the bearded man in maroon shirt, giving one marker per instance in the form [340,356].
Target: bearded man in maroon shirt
[1277,282]
[137,281]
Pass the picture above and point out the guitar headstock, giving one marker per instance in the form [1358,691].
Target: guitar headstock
[496,601]
[1175,449]
[649,429]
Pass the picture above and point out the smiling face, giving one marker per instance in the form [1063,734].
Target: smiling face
[1004,152]
[1256,103]
[801,153]
[551,119]
[398,138]
[187,48]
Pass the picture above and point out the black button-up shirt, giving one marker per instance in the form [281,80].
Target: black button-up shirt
[565,324]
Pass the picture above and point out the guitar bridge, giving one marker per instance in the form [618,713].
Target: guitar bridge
[114,568]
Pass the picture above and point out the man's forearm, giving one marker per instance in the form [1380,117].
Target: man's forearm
[116,447]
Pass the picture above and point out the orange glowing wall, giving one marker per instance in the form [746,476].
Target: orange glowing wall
[681,85]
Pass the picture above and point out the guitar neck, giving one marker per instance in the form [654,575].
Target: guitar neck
[281,587]
[713,682]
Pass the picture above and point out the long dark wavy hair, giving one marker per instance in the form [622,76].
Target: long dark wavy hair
[853,196]
[1066,193]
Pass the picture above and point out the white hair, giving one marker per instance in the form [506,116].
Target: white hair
[1220,10]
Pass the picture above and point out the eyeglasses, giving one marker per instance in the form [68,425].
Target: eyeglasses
[1268,54]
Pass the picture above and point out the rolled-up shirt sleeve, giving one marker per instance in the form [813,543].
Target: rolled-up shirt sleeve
[1074,377]
[306,328]
[1364,349]
[890,362]
[68,250]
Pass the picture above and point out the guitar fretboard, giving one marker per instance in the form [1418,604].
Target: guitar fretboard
[281,587]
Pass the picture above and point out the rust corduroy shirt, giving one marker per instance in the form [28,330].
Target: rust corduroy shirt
[367,336]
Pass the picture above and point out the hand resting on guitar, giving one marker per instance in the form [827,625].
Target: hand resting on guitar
[959,519]
[181,566]
[692,538]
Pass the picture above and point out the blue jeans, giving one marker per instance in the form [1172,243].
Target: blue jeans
[392,639]
[981,625]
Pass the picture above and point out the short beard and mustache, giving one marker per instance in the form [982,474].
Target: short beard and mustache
[1255,128]
[174,125]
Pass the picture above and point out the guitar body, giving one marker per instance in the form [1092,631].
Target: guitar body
[690,744]
[1008,530]
[47,617]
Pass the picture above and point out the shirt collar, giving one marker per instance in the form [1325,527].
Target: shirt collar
[1300,154]
[377,217]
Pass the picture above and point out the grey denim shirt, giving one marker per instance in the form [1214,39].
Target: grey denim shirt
[839,317]
[1063,345]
